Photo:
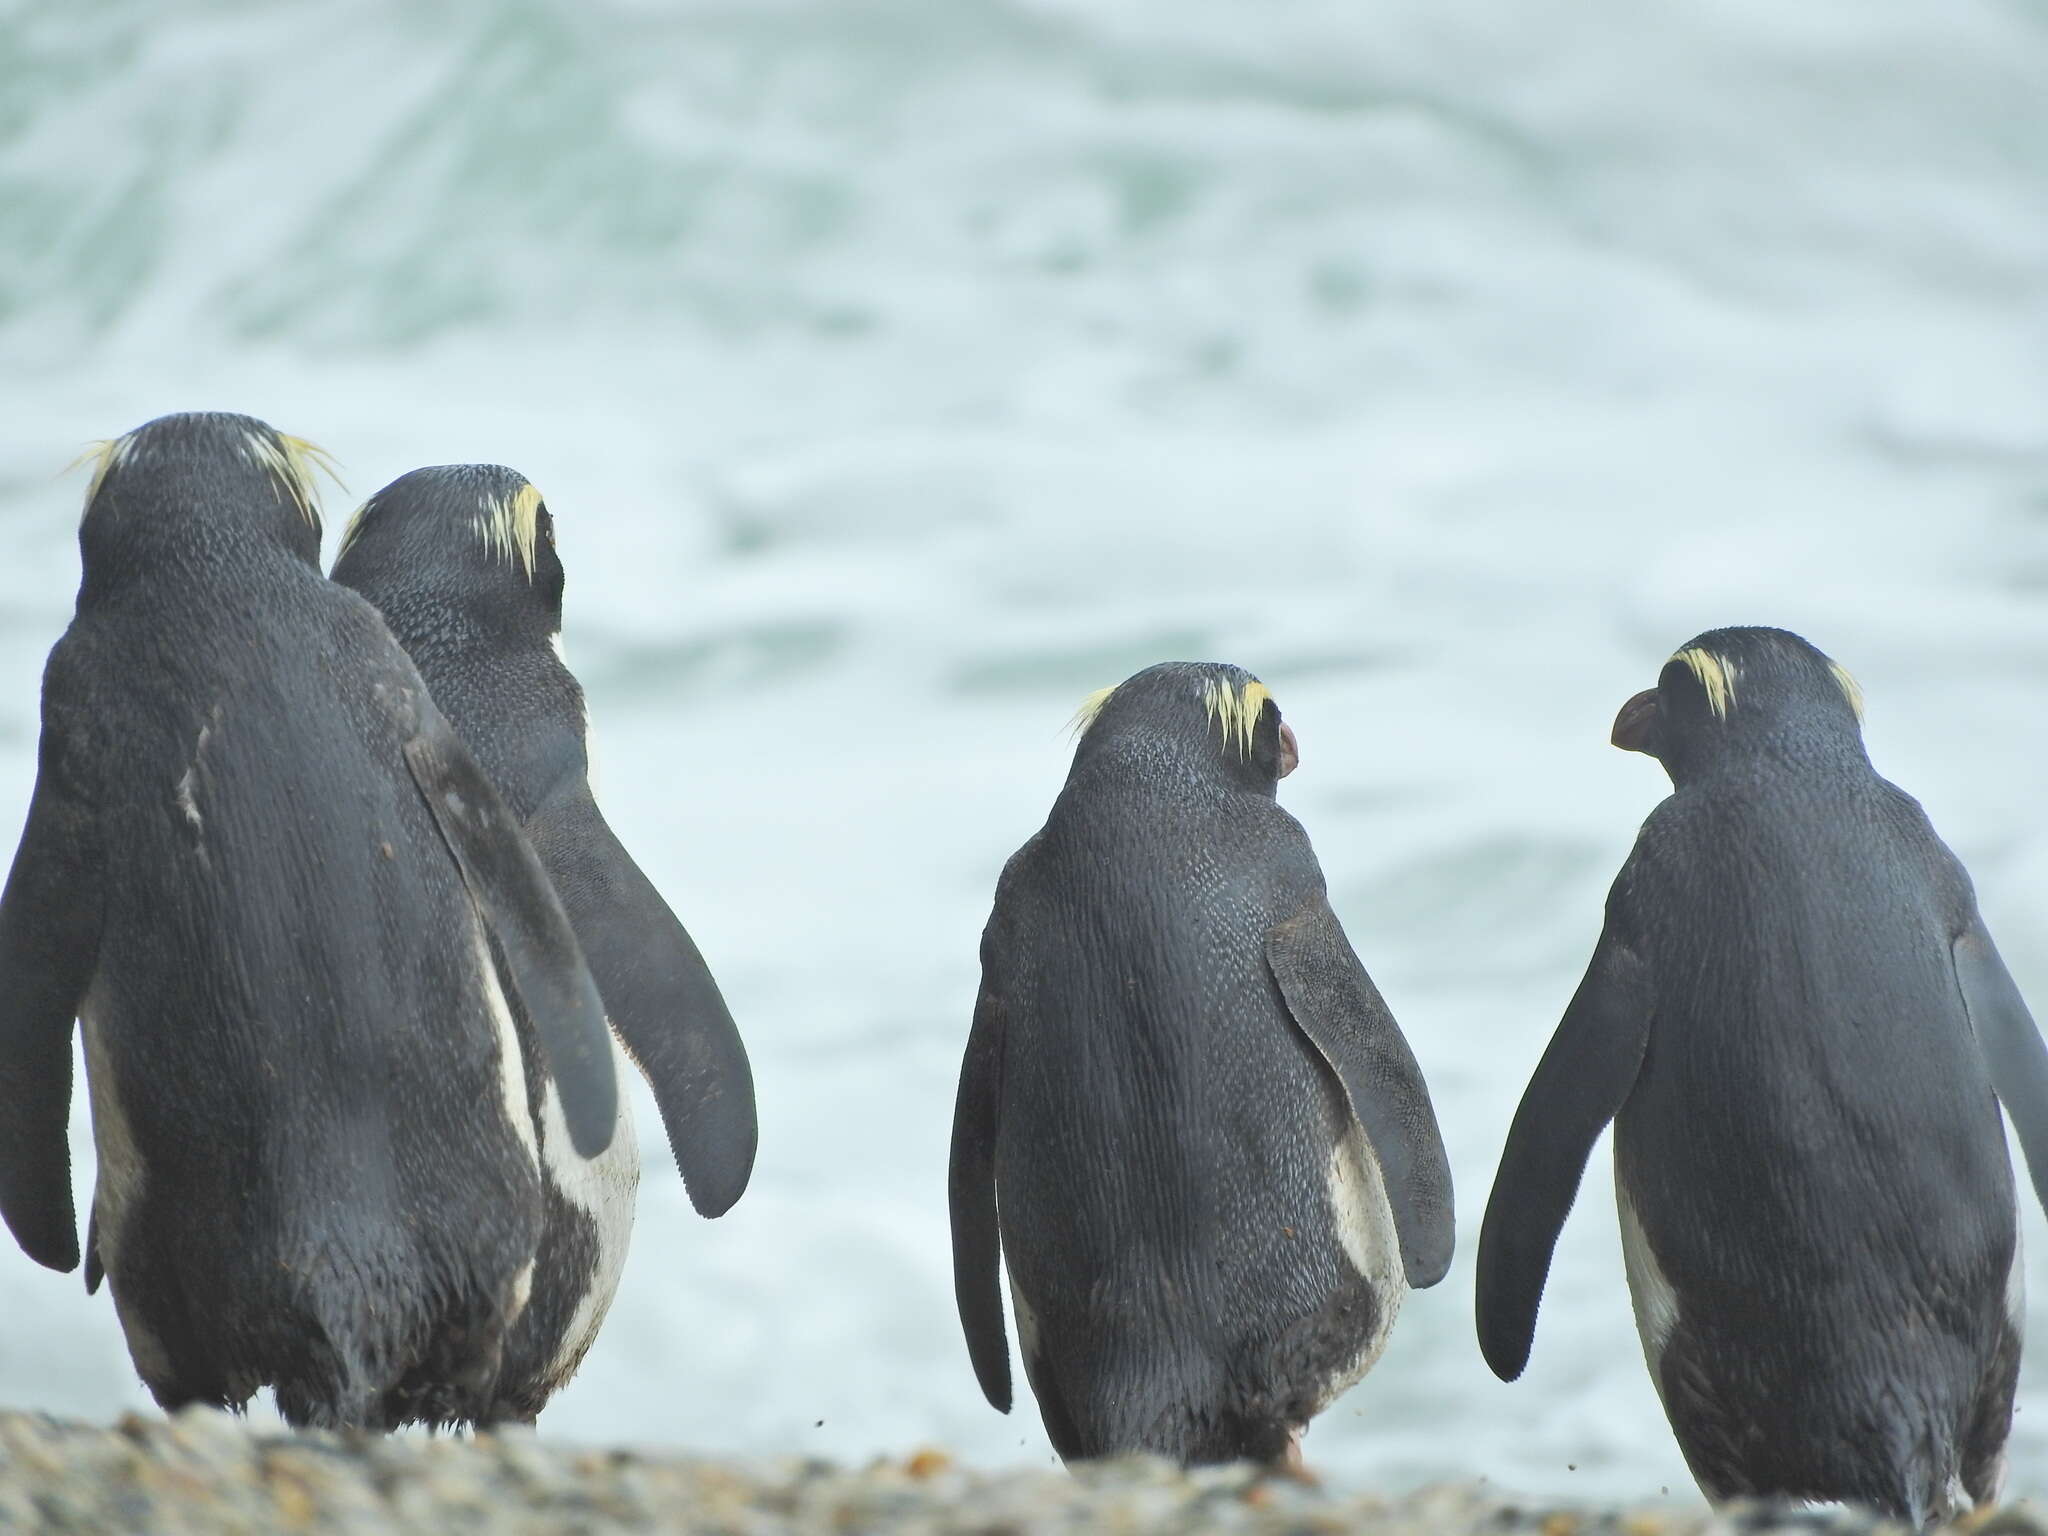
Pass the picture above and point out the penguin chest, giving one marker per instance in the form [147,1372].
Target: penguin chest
[1362,1220]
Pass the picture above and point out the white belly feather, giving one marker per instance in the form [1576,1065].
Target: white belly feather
[1651,1295]
[1364,1222]
[511,1059]
[117,1190]
[603,1188]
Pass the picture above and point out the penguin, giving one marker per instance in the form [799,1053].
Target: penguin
[461,561]
[1186,1120]
[1803,1033]
[275,889]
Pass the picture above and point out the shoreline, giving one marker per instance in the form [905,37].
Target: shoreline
[206,1471]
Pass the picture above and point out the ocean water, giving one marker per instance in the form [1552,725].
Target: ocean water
[900,370]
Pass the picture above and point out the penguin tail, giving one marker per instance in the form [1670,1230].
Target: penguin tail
[1930,1485]
[334,1349]
[454,1377]
[370,1334]
[1183,1404]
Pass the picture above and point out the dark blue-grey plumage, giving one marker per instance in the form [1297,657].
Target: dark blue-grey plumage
[481,630]
[1797,1022]
[1160,1106]
[461,561]
[253,867]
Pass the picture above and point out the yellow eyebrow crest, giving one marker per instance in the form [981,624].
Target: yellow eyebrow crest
[1236,710]
[291,461]
[1716,675]
[1851,689]
[510,526]
[1090,708]
[102,455]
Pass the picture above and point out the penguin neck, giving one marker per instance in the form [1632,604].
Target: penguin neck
[458,627]
[494,672]
[1161,764]
[208,566]
[1753,754]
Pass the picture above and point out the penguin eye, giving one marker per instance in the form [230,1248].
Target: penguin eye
[1273,744]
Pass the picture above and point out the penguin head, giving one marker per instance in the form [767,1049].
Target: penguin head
[1212,719]
[473,537]
[1734,694]
[199,483]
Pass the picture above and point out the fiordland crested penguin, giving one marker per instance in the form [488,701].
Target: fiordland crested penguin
[461,561]
[1802,1032]
[268,878]
[1186,1119]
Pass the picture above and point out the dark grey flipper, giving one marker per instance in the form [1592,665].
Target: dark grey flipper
[658,994]
[49,946]
[2012,1046]
[1334,1002]
[971,1195]
[519,906]
[1579,1085]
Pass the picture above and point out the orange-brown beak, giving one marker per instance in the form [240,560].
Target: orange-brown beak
[1635,727]
[1290,750]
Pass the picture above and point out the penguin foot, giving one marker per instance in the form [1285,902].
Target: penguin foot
[1289,1463]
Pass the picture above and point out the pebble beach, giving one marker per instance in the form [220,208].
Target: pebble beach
[901,371]
[206,1471]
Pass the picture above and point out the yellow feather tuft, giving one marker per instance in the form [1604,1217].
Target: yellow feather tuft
[1851,689]
[103,455]
[1717,675]
[510,526]
[1090,708]
[292,461]
[307,457]
[1236,711]
[356,519]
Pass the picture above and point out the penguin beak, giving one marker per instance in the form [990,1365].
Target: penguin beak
[1635,728]
[1290,750]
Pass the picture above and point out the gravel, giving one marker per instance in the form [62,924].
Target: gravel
[203,1471]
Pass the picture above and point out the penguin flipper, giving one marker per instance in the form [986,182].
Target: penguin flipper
[49,947]
[1585,1075]
[971,1198]
[2012,1046]
[1334,1002]
[658,994]
[519,905]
